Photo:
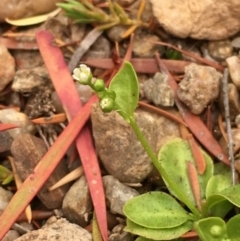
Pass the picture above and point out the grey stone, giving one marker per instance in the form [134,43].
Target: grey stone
[11,235]
[16,9]
[158,91]
[57,230]
[7,67]
[198,19]
[117,194]
[234,70]
[220,50]
[14,117]
[77,204]
[5,197]
[118,147]
[199,87]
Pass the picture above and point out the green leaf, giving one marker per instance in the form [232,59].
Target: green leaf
[4,173]
[125,85]
[8,179]
[220,168]
[158,234]
[211,229]
[173,157]
[173,54]
[218,183]
[147,239]
[233,229]
[219,208]
[155,210]
[232,194]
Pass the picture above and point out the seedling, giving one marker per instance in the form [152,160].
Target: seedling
[200,206]
[85,12]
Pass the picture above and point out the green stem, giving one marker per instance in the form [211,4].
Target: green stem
[181,196]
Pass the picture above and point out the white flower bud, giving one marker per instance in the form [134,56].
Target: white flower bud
[82,74]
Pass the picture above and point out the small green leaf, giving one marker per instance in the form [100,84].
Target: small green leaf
[155,210]
[158,234]
[125,85]
[218,183]
[8,179]
[173,54]
[233,229]
[232,194]
[173,157]
[220,168]
[211,229]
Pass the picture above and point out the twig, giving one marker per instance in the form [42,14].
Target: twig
[228,123]
[82,49]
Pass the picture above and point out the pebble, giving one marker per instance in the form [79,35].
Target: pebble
[118,147]
[236,141]
[27,151]
[7,67]
[198,19]
[236,43]
[115,33]
[14,117]
[144,46]
[124,236]
[22,9]
[6,142]
[220,50]
[158,91]
[27,59]
[57,230]
[117,194]
[31,80]
[5,197]
[233,64]
[77,205]
[11,235]
[199,87]
[234,104]
[101,49]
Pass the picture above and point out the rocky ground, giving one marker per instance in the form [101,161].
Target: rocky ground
[208,29]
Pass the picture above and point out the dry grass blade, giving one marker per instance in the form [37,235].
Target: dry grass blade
[78,172]
[202,60]
[197,155]
[162,112]
[68,95]
[193,179]
[18,182]
[14,44]
[58,118]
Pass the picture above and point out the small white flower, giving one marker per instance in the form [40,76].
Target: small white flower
[82,74]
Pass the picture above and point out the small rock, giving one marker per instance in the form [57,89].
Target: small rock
[115,33]
[124,236]
[236,43]
[77,204]
[57,230]
[6,141]
[199,87]
[234,104]
[11,235]
[233,64]
[7,67]
[31,80]
[220,50]
[5,197]
[117,194]
[100,49]
[27,151]
[198,19]
[158,91]
[27,59]
[22,9]
[144,46]
[236,141]
[14,117]
[118,147]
